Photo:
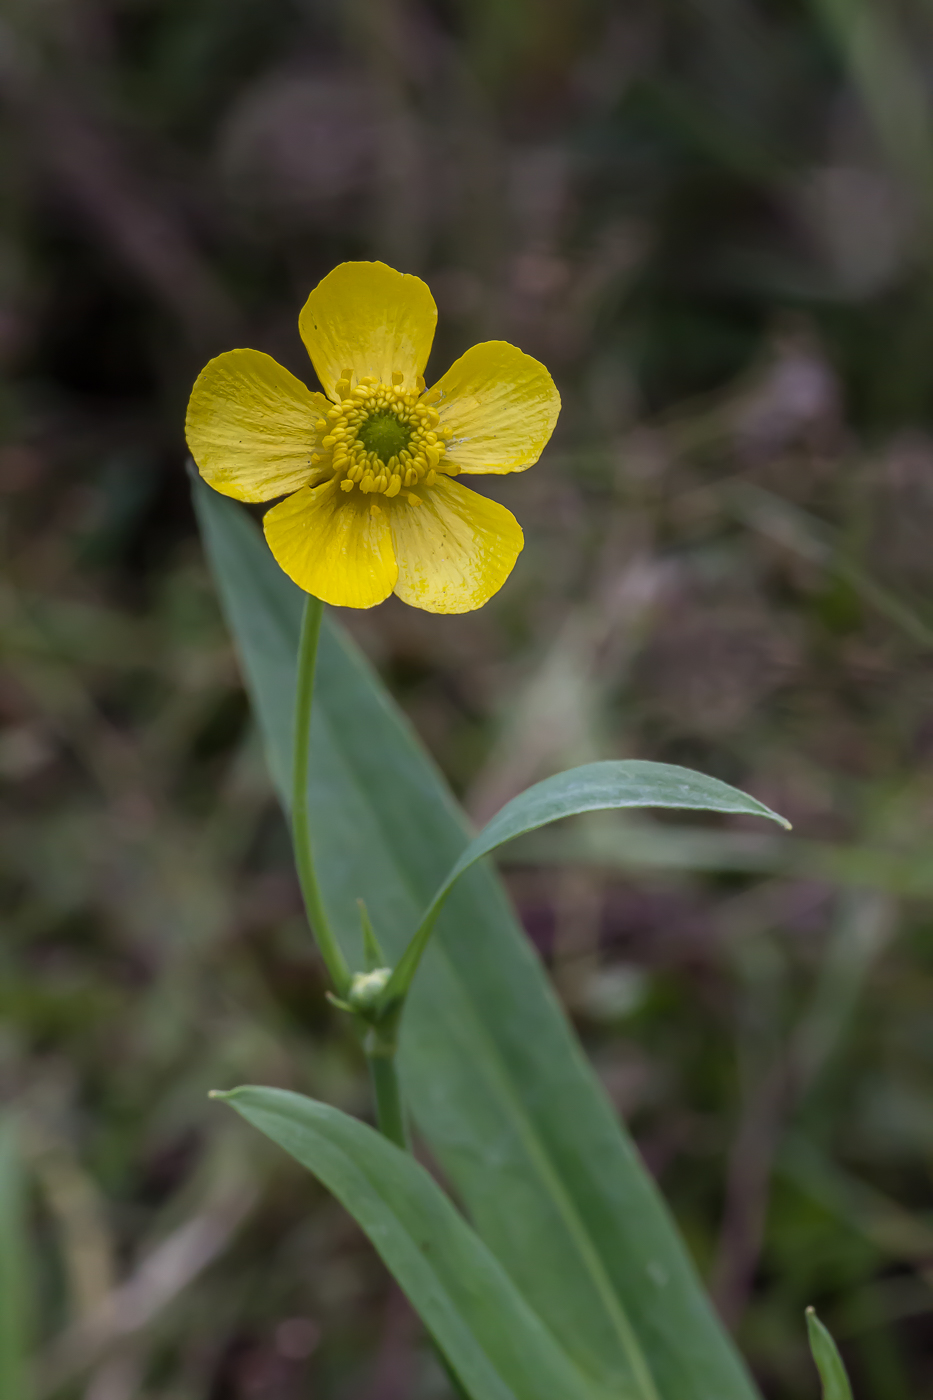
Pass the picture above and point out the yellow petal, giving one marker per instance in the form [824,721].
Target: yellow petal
[334,544]
[454,550]
[250,426]
[497,408]
[370,319]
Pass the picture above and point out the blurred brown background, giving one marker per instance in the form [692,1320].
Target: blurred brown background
[712,219]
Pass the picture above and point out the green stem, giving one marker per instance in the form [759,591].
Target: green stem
[301,827]
[389,1112]
[380,1049]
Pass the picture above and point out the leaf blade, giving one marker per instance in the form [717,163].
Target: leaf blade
[611,784]
[498,1083]
[15,1380]
[497,1345]
[827,1360]
[592,787]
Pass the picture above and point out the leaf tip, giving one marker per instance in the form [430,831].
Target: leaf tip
[828,1362]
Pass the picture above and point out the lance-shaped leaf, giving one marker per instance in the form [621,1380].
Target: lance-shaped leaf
[495,1077]
[14,1270]
[497,1346]
[593,787]
[828,1361]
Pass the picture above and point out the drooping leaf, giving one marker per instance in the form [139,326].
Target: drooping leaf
[496,1344]
[593,787]
[616,783]
[14,1271]
[828,1361]
[496,1080]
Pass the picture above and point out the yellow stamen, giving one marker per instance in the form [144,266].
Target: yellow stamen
[373,418]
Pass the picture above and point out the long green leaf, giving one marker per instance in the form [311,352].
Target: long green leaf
[496,1079]
[496,1344]
[14,1282]
[593,787]
[828,1361]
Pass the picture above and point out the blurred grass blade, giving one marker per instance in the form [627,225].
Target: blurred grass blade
[14,1270]
[892,84]
[889,1226]
[592,787]
[810,538]
[641,845]
[496,1080]
[497,1346]
[828,1361]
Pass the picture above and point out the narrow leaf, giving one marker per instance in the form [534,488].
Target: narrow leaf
[496,1345]
[828,1361]
[612,783]
[495,1077]
[592,787]
[14,1281]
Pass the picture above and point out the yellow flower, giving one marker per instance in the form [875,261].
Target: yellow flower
[368,470]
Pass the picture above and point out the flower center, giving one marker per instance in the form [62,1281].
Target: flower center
[381,438]
[385,435]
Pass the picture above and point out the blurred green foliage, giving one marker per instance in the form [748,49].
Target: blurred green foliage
[713,222]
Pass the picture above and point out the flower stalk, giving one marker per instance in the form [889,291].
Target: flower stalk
[301,825]
[358,994]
